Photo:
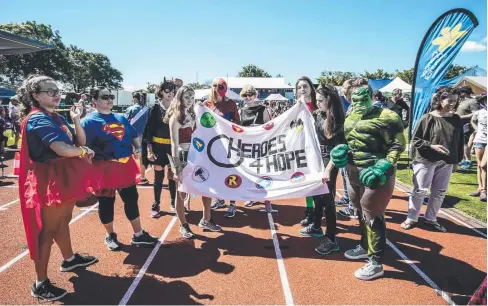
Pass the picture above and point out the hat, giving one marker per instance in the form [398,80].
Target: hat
[248,89]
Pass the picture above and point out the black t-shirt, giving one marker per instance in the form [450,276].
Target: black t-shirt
[252,115]
[444,131]
[155,126]
[327,144]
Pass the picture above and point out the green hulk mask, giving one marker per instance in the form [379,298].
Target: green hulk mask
[361,100]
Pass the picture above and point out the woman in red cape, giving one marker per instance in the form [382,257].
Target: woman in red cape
[54,174]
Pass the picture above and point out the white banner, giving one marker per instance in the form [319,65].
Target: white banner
[278,160]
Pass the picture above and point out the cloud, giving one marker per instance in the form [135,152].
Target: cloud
[473,46]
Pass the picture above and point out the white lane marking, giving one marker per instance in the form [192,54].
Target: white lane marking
[21,255]
[281,264]
[442,211]
[4,207]
[433,285]
[143,270]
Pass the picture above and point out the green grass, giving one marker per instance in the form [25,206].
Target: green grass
[461,185]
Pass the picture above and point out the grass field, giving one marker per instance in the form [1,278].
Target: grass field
[461,185]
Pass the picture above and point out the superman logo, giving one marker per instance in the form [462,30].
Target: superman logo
[67,131]
[237,129]
[115,129]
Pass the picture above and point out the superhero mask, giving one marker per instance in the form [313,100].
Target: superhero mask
[168,86]
[220,86]
[361,100]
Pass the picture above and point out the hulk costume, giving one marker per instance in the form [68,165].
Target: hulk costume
[375,140]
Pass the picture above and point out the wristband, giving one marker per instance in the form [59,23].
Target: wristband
[83,152]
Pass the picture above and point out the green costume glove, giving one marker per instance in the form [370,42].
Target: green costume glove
[375,176]
[339,155]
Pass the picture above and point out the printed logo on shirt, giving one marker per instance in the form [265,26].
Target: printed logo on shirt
[116,129]
[297,177]
[200,174]
[264,182]
[268,126]
[233,181]
[67,131]
[198,144]
[237,129]
[207,120]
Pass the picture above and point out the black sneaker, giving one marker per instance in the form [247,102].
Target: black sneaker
[349,212]
[186,232]
[144,239]
[216,204]
[47,291]
[209,226]
[111,242]
[143,182]
[155,212]
[308,217]
[78,261]
[310,231]
[342,202]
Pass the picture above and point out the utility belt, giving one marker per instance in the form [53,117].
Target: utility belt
[159,140]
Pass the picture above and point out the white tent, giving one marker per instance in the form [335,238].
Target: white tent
[397,83]
[202,94]
[276,97]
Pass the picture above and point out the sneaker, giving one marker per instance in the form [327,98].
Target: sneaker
[435,225]
[144,181]
[342,202]
[216,204]
[357,253]
[483,196]
[209,225]
[349,212]
[466,165]
[310,231]
[186,232]
[308,218]
[155,214]
[172,205]
[476,193]
[249,203]
[370,271]
[78,261]
[144,239]
[327,246]
[231,212]
[47,291]
[111,242]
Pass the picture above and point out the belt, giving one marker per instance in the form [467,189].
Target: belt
[161,140]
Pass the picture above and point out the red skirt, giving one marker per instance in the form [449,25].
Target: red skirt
[59,180]
[116,175]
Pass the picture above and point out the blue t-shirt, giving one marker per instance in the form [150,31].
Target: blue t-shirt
[140,124]
[109,135]
[42,130]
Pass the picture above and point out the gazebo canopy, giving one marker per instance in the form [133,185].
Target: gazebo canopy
[11,44]
[276,97]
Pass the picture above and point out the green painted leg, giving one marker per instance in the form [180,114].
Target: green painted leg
[309,202]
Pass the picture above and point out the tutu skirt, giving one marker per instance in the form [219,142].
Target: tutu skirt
[112,175]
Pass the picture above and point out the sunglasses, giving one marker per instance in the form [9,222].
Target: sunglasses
[220,87]
[51,92]
[106,97]
[248,95]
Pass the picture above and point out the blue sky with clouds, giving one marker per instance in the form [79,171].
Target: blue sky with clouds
[150,39]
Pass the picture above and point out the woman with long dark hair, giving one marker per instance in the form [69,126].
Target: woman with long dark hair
[305,92]
[329,125]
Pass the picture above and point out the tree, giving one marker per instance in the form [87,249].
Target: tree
[53,63]
[336,78]
[406,75]
[279,75]
[454,71]
[253,71]
[198,85]
[379,74]
[151,88]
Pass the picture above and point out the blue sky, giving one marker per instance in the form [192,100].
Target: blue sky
[149,39]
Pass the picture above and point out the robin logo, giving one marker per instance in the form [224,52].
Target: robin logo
[198,144]
[233,181]
[116,129]
[67,131]
[268,126]
[237,129]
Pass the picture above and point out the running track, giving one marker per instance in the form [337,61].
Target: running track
[244,264]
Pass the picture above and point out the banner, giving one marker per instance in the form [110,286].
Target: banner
[279,160]
[438,49]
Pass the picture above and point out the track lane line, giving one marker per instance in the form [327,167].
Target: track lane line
[4,207]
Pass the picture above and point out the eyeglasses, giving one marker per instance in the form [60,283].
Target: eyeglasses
[106,97]
[219,86]
[51,92]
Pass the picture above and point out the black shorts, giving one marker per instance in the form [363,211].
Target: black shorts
[161,152]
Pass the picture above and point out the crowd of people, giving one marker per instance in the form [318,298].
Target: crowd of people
[362,139]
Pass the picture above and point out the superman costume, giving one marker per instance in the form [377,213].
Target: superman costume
[110,137]
[46,178]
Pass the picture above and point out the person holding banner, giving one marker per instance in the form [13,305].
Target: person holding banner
[226,108]
[112,138]
[305,92]
[253,113]
[375,141]
[438,145]
[158,147]
[329,125]
[181,120]
[137,115]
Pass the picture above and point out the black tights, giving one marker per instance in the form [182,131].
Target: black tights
[158,188]
[106,205]
[327,201]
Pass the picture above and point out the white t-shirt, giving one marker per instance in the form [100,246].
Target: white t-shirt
[481,132]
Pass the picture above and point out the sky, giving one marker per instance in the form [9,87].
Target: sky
[197,40]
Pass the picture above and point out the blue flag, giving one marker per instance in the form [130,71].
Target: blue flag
[439,47]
